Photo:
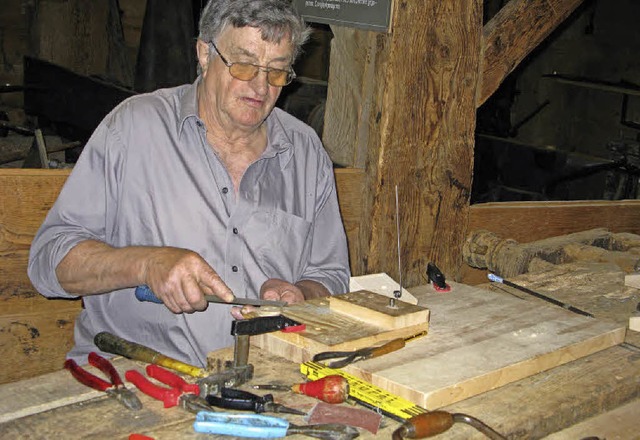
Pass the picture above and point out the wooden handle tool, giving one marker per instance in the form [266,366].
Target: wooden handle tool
[111,343]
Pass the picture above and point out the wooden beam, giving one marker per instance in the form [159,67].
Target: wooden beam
[518,28]
[416,120]
[532,221]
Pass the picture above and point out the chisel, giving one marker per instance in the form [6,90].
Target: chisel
[144,293]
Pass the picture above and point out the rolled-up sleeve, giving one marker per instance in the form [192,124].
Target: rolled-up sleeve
[79,213]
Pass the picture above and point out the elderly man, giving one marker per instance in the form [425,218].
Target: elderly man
[200,189]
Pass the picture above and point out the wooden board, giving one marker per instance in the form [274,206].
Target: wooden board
[344,322]
[478,340]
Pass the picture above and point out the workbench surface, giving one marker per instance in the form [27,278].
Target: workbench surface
[55,405]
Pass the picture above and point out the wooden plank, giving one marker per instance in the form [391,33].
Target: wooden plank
[620,423]
[478,340]
[35,333]
[349,183]
[518,28]
[341,325]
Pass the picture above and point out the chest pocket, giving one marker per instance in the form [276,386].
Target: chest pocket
[280,242]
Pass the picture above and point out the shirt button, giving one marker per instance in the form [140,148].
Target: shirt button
[235,230]
[234,268]
[225,190]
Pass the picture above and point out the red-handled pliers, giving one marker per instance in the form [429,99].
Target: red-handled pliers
[187,395]
[115,388]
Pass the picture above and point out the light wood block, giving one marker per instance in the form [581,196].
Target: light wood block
[344,322]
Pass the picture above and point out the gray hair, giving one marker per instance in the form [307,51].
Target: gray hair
[276,20]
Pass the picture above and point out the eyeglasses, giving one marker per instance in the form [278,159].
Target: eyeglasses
[248,71]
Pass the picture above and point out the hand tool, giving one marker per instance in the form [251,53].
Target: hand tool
[367,394]
[111,343]
[437,278]
[259,426]
[330,389]
[436,422]
[349,357]
[240,400]
[397,293]
[144,293]
[239,370]
[235,372]
[186,395]
[554,301]
[115,388]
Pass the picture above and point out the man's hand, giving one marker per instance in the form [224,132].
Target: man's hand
[181,278]
[275,289]
[280,290]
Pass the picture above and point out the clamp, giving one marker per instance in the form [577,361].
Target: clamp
[239,370]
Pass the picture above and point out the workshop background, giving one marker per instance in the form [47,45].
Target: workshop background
[563,126]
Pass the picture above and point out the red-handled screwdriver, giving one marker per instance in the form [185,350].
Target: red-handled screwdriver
[330,389]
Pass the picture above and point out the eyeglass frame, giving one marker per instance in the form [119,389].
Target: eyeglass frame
[292,74]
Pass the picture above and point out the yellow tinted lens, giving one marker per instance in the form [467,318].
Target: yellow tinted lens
[243,71]
[278,77]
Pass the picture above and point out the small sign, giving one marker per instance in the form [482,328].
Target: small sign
[367,14]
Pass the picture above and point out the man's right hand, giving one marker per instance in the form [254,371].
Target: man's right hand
[180,278]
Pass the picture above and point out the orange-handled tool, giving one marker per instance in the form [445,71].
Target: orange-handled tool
[347,357]
[330,389]
[436,422]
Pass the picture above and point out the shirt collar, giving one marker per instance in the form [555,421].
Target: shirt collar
[188,104]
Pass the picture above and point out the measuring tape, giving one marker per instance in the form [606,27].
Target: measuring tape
[367,394]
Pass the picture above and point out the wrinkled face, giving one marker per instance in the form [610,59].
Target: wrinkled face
[233,103]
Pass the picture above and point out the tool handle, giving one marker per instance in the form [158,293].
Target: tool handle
[171,379]
[86,378]
[424,425]
[169,396]
[104,365]
[495,278]
[111,343]
[389,347]
[231,398]
[240,425]
[330,389]
[145,294]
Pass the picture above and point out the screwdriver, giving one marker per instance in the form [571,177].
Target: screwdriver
[436,422]
[330,389]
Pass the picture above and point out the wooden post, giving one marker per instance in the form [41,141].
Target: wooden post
[412,120]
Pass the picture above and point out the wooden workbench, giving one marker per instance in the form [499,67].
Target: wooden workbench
[54,405]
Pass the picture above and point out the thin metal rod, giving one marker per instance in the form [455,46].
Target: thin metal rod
[398,238]
[497,279]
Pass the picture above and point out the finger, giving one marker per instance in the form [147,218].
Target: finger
[190,295]
[236,312]
[292,296]
[271,295]
[211,282]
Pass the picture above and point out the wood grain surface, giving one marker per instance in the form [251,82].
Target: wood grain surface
[478,340]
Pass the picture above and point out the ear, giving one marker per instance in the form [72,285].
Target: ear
[202,50]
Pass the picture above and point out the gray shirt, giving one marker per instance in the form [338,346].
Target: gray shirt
[148,177]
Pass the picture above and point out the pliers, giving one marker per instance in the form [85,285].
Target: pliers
[115,388]
[231,398]
[183,394]
[348,357]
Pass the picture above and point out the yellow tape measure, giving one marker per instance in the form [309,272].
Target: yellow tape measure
[369,395]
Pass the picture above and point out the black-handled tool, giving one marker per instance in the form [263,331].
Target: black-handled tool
[436,276]
[231,398]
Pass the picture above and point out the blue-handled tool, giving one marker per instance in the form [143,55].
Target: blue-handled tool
[240,425]
[258,426]
[144,293]
[495,278]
